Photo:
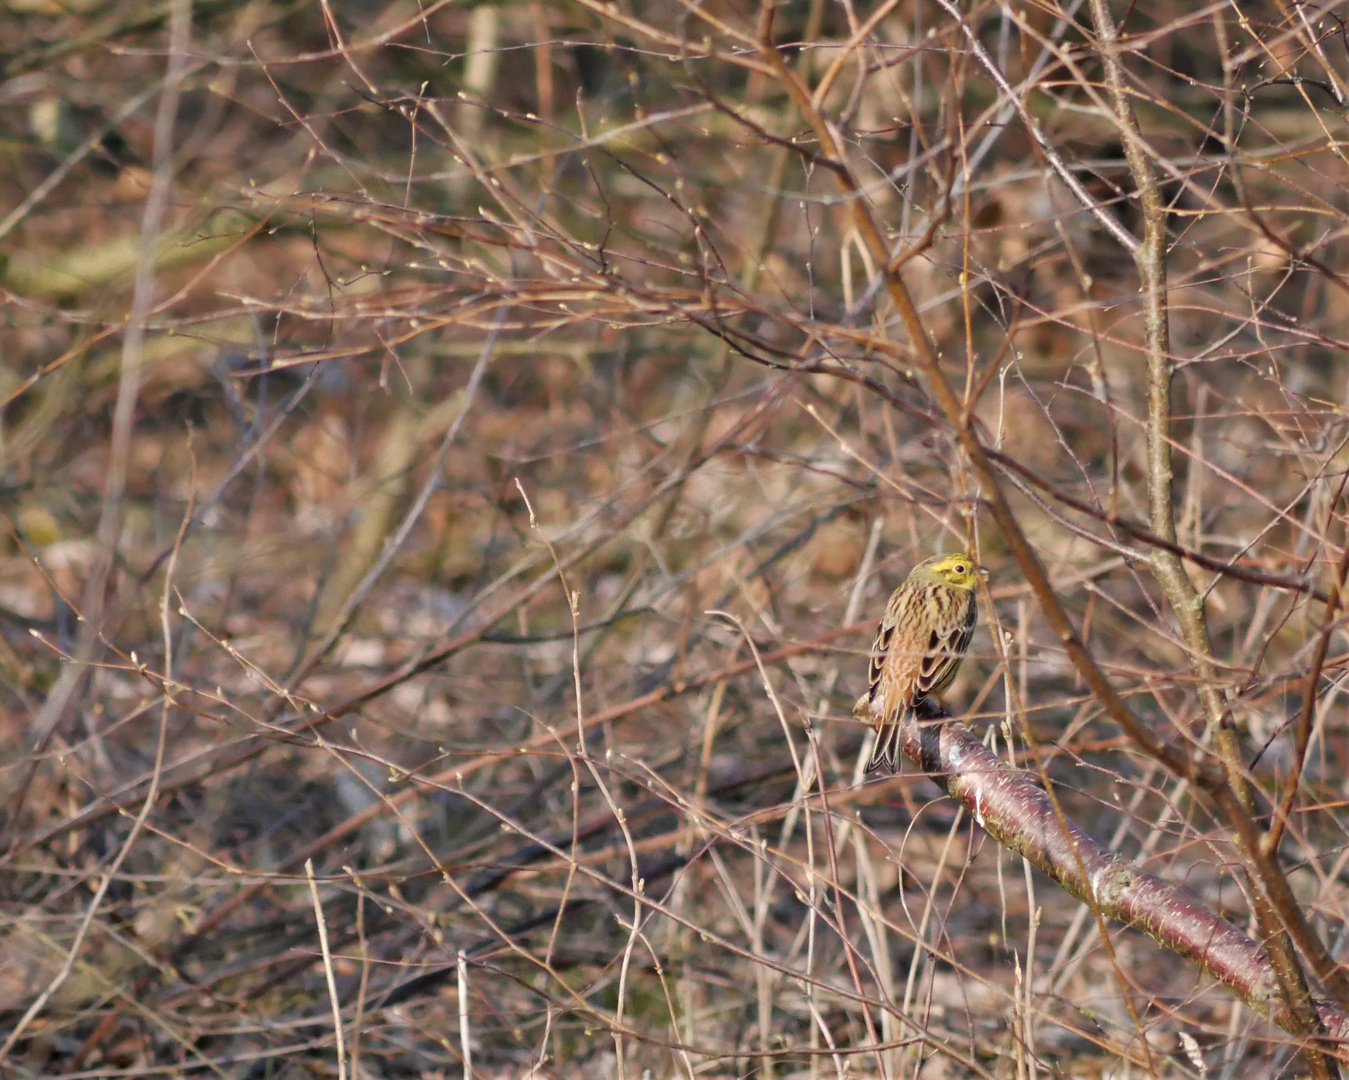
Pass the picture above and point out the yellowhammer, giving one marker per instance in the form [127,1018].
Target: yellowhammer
[918,648]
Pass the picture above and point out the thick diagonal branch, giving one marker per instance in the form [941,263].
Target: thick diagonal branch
[1020,816]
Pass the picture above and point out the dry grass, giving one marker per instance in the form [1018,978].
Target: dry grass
[393,395]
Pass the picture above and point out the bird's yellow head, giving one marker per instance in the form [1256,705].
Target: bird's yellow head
[956,569]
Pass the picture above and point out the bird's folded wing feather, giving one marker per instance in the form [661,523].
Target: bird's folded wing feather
[879,647]
[944,653]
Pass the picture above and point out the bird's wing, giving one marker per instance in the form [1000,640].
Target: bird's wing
[896,692]
[879,647]
[944,652]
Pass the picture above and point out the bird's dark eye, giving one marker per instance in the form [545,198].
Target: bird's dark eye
[959,568]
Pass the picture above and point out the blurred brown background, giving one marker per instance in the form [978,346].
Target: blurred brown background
[344,342]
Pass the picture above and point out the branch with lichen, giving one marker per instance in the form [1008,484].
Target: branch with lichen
[1026,819]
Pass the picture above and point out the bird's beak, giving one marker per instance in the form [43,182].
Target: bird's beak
[983,572]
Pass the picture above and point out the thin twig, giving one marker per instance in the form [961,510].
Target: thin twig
[333,1000]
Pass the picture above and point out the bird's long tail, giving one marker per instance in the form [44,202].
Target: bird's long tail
[885,751]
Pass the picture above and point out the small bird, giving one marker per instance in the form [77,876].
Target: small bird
[919,646]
